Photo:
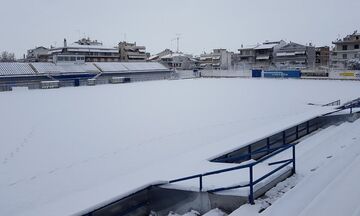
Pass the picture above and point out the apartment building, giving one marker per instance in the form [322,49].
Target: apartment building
[219,59]
[294,55]
[130,52]
[265,53]
[346,50]
[84,50]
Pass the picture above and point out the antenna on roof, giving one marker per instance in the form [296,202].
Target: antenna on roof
[177,41]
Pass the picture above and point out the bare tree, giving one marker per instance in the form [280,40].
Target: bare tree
[354,64]
[6,56]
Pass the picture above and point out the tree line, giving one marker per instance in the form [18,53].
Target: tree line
[6,56]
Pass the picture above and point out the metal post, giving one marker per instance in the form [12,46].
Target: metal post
[268,144]
[297,131]
[284,137]
[307,127]
[350,110]
[201,183]
[293,157]
[249,152]
[251,195]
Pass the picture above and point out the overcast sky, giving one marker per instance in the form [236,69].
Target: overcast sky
[203,24]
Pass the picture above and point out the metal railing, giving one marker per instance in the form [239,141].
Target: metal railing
[350,105]
[334,103]
[262,147]
[252,182]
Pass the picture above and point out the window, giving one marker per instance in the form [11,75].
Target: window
[78,58]
[72,58]
[356,46]
[344,56]
[66,58]
[344,47]
[60,58]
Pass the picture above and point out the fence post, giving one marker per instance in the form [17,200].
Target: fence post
[284,137]
[297,131]
[249,152]
[251,195]
[201,183]
[294,162]
[268,144]
[307,127]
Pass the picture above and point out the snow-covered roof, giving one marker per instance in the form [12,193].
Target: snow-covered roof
[15,68]
[49,67]
[85,48]
[265,46]
[172,55]
[69,149]
[154,57]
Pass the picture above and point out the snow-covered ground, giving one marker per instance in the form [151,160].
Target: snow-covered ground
[65,150]
[326,182]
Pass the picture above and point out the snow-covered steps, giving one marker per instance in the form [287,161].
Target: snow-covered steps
[327,179]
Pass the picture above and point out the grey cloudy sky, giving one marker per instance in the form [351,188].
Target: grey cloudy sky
[203,24]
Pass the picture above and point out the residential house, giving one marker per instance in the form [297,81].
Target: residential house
[294,55]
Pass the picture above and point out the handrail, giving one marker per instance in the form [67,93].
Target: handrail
[334,103]
[251,165]
[248,152]
[349,105]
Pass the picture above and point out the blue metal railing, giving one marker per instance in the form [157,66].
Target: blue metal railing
[267,146]
[250,166]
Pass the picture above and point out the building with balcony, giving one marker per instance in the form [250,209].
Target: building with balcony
[219,59]
[84,50]
[265,53]
[294,55]
[130,52]
[346,50]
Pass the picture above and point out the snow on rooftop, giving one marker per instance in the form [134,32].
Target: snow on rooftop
[266,46]
[15,68]
[48,67]
[70,149]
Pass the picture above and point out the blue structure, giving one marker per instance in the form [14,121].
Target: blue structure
[282,73]
[256,73]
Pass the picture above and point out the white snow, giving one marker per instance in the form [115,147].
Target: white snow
[327,178]
[71,149]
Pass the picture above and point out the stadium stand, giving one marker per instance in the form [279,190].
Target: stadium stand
[12,69]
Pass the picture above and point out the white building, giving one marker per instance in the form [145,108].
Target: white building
[345,51]
[84,50]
